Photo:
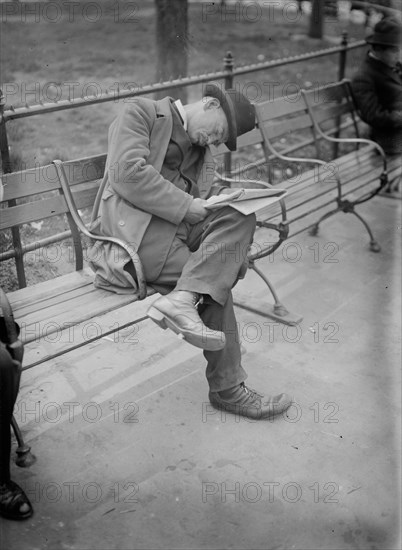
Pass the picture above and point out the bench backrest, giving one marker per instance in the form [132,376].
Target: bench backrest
[246,159]
[287,126]
[333,105]
[287,129]
[36,194]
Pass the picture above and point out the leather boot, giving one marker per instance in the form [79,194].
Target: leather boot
[178,311]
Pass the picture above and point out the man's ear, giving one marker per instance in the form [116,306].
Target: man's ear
[212,103]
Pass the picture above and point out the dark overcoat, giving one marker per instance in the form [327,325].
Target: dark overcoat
[378,93]
[138,202]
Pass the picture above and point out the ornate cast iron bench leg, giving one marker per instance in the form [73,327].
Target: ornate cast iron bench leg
[277,311]
[348,207]
[315,229]
[24,456]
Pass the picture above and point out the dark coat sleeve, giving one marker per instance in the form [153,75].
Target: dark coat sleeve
[131,176]
[372,111]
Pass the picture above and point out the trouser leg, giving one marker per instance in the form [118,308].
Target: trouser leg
[224,369]
[219,247]
[206,258]
[9,383]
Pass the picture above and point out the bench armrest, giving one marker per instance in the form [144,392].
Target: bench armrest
[142,287]
[320,162]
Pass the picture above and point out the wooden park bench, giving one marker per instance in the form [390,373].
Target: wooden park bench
[68,312]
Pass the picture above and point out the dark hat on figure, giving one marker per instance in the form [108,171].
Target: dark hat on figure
[387,32]
[240,113]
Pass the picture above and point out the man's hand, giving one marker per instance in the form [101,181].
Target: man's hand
[196,211]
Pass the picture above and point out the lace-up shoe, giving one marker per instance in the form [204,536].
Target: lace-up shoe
[244,401]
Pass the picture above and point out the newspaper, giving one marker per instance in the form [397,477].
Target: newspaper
[247,201]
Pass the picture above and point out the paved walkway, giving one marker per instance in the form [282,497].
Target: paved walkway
[130,454]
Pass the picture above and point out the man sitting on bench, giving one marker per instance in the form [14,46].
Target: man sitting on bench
[160,170]
[377,86]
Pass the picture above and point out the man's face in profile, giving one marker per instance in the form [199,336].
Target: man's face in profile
[390,56]
[208,124]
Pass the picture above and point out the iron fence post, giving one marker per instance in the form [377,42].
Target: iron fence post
[228,64]
[6,167]
[342,55]
[341,76]
[5,153]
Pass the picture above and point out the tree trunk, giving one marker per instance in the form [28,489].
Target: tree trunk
[316,19]
[172,43]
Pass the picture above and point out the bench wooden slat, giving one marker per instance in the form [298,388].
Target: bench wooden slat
[288,150]
[289,126]
[85,170]
[18,185]
[64,283]
[275,129]
[43,209]
[42,179]
[253,137]
[56,317]
[365,172]
[370,168]
[328,93]
[57,298]
[108,325]
[270,110]
[67,298]
[30,212]
[54,321]
[248,139]
[21,190]
[348,164]
[331,112]
[30,181]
